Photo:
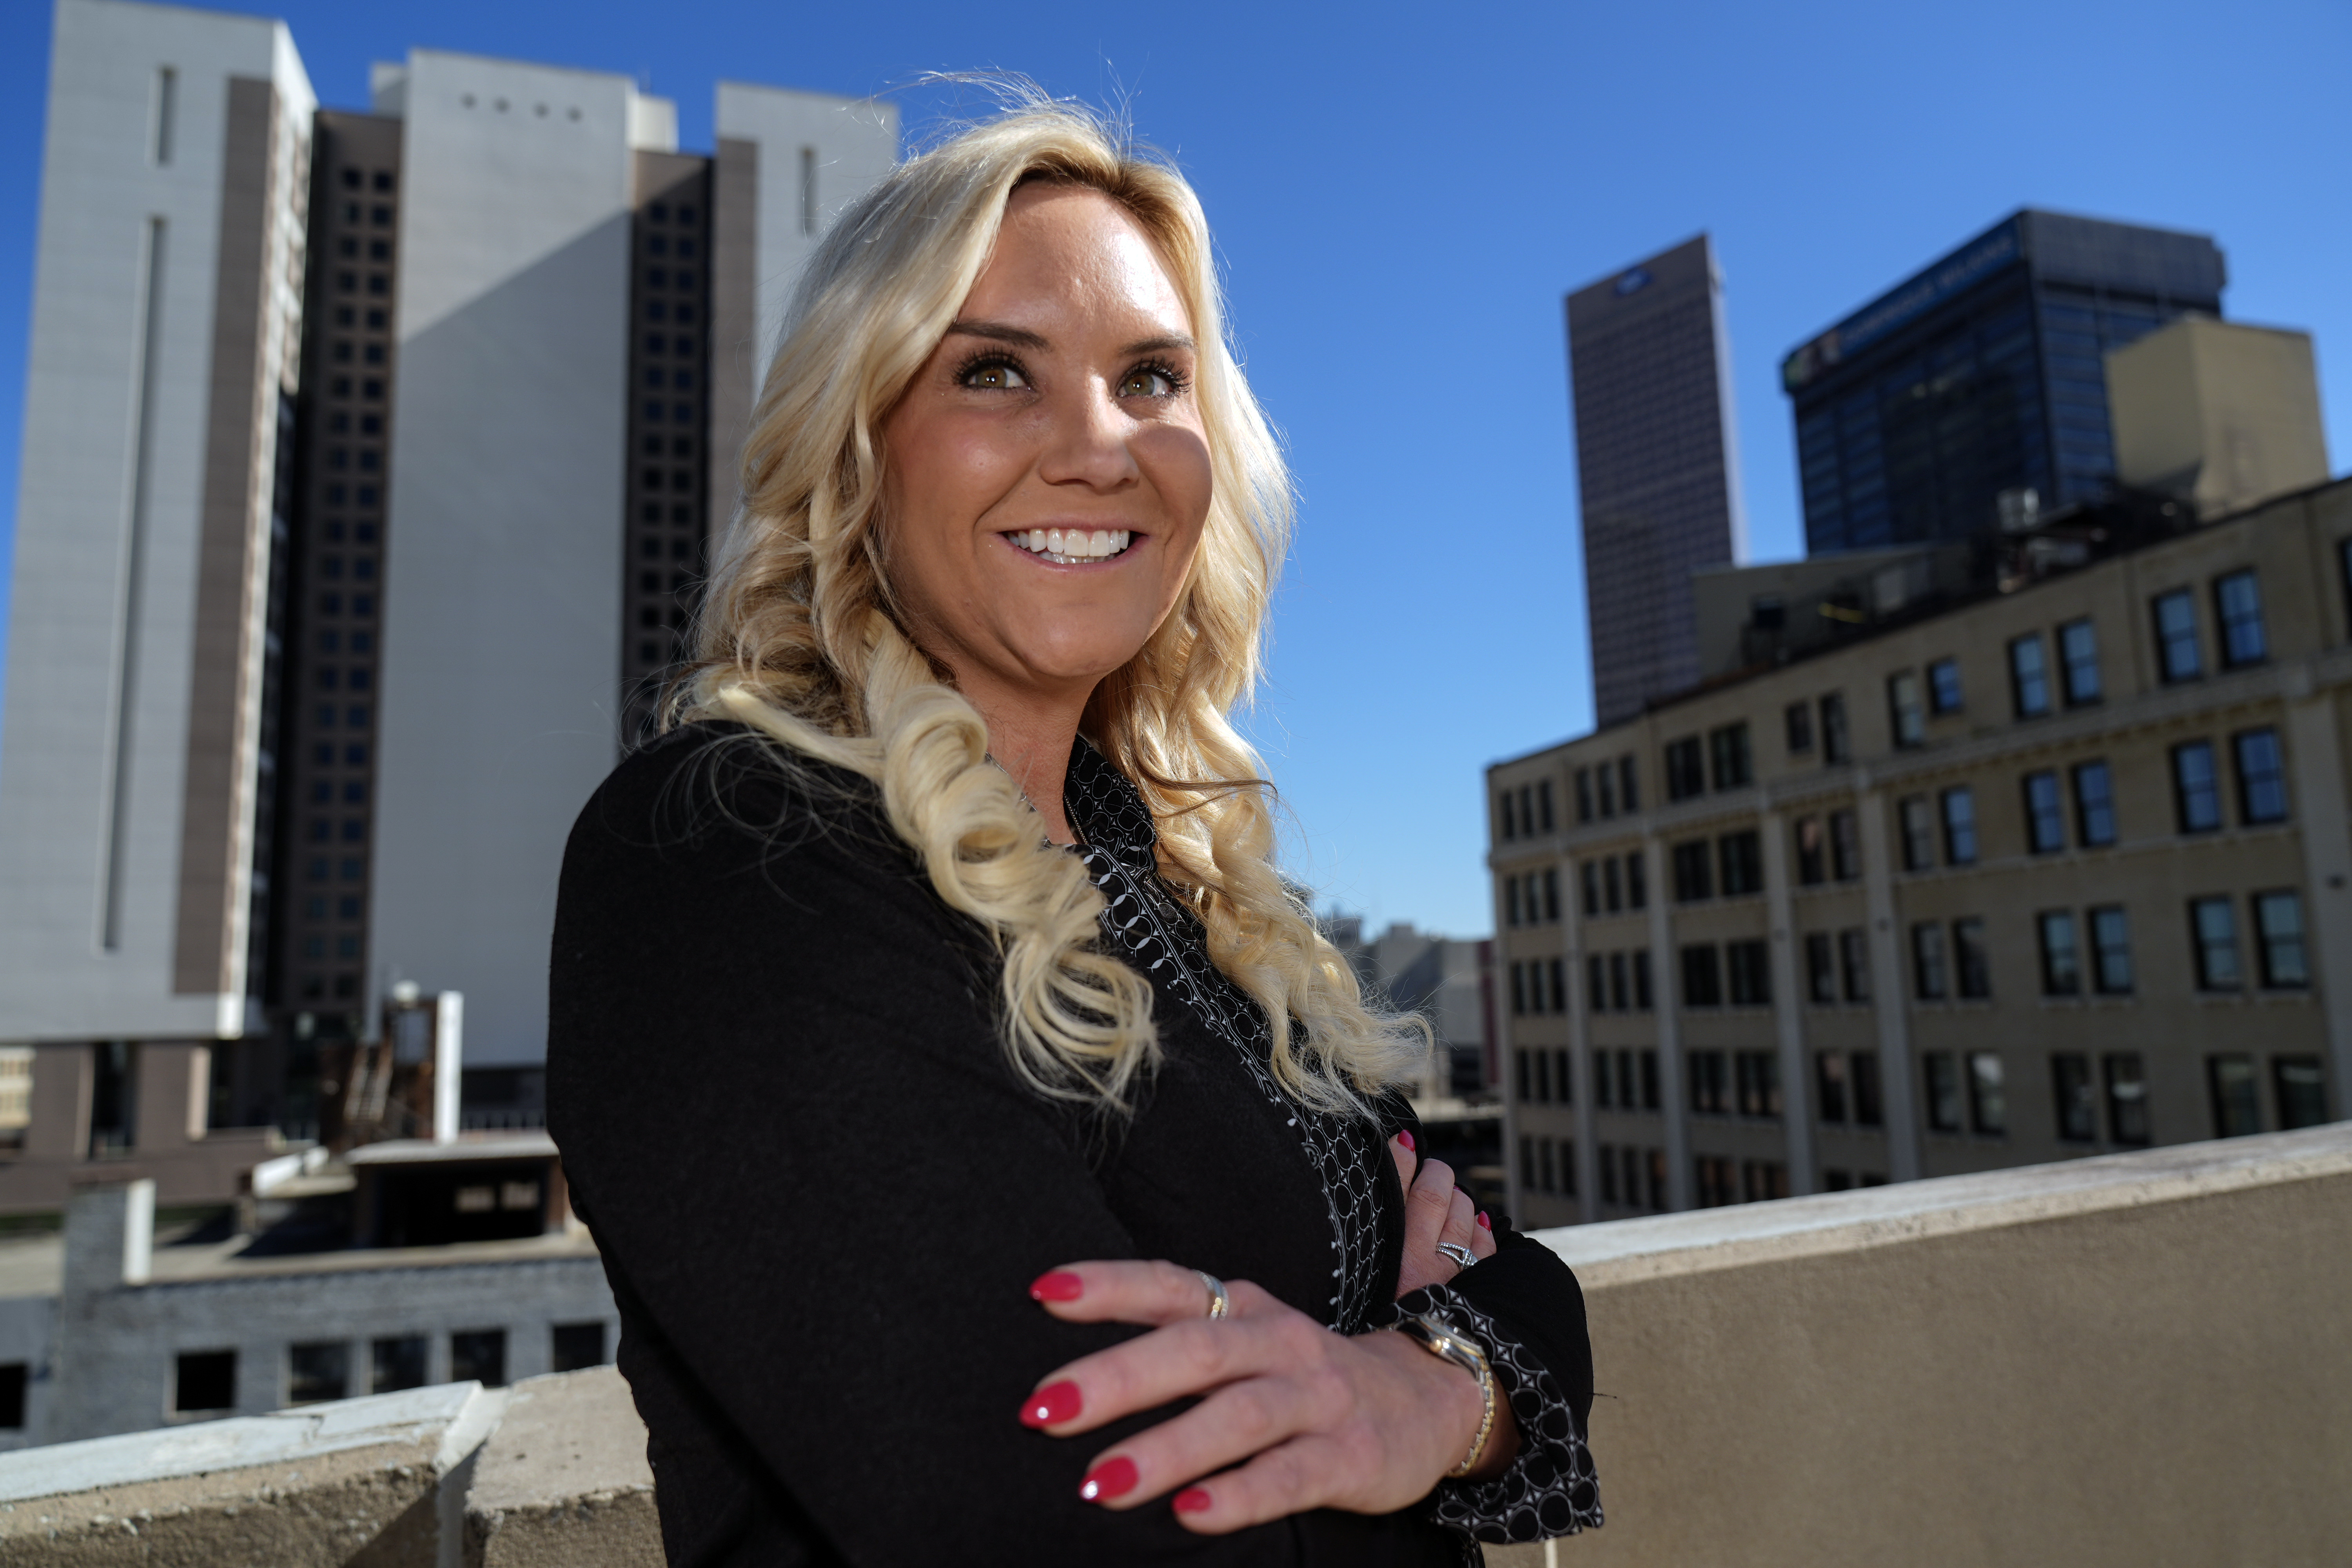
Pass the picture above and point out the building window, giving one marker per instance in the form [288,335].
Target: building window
[479,1355]
[1637,882]
[317,1372]
[1869,1105]
[2196,787]
[2213,931]
[2261,777]
[1821,967]
[1525,1072]
[1812,857]
[577,1346]
[2238,609]
[2070,1083]
[1649,1077]
[1702,977]
[1606,794]
[1761,1181]
[2029,677]
[1918,833]
[1943,1088]
[1727,751]
[2237,1095]
[1694,871]
[1959,826]
[1708,1095]
[2095,804]
[1829,1087]
[1642,997]
[1510,826]
[1584,794]
[1716,1177]
[1629,785]
[2177,655]
[1527,1161]
[1987,1102]
[1551,894]
[1596,983]
[1511,901]
[1797,720]
[1686,769]
[1519,989]
[1590,873]
[1749,968]
[204,1380]
[1929,979]
[2078,662]
[1971,963]
[2062,960]
[1556,972]
[2278,926]
[1543,804]
[2127,1121]
[1905,710]
[2111,961]
[1742,858]
[1944,686]
[1835,747]
[1757,1077]
[1854,959]
[2302,1091]
[2046,818]
[1845,846]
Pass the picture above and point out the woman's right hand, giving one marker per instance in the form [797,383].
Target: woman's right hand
[1436,1210]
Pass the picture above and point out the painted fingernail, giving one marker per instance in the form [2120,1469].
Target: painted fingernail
[1052,1405]
[1059,1286]
[1484,1222]
[1405,1138]
[1112,1478]
[1192,1500]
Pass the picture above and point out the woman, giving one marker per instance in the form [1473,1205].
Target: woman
[982,1143]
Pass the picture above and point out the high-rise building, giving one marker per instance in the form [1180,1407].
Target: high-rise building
[1657,468]
[371,463]
[1983,375]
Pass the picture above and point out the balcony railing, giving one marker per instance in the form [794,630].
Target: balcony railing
[2142,1359]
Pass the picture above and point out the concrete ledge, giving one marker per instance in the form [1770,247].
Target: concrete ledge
[351,1482]
[565,1481]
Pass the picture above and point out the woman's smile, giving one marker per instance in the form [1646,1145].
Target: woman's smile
[1074,545]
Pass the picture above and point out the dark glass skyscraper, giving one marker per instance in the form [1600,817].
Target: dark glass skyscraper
[1980,374]
[1657,479]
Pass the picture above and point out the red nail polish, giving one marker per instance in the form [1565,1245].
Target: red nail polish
[1052,1405]
[1112,1478]
[1059,1286]
[1192,1500]
[1405,1138]
[1484,1222]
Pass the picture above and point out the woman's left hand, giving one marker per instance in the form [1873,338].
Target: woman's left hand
[1311,1418]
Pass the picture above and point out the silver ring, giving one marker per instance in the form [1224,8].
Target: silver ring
[1221,1304]
[1462,1257]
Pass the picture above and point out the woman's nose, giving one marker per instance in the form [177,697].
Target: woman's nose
[1089,443]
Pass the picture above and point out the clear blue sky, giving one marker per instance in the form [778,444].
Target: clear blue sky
[1403,195]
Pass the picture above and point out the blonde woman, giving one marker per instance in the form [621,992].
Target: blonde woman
[990,1161]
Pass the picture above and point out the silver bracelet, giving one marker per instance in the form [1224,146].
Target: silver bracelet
[1435,1336]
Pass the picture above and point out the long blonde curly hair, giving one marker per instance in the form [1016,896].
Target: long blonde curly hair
[800,640]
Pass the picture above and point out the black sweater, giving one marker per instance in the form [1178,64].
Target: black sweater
[821,1194]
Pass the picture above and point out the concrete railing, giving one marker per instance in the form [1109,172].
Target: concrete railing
[2143,1360]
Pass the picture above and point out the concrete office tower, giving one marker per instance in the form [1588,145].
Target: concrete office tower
[1982,374]
[136,766]
[557,466]
[2222,415]
[1657,468]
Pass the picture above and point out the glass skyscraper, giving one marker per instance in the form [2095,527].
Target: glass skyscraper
[1980,374]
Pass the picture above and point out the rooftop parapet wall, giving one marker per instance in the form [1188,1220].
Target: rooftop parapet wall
[2134,1360]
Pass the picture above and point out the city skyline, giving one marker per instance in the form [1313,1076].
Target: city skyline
[1565,109]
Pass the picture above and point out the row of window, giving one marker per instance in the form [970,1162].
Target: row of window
[1618,982]
[1736,973]
[1614,883]
[659,245]
[1533,899]
[1726,762]
[1739,857]
[1525,811]
[1607,788]
[1720,1182]
[205,1382]
[1742,1083]
[1539,987]
[1548,1166]
[1633,1178]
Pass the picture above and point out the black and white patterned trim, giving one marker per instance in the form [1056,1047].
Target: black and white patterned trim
[1163,941]
[1552,1489]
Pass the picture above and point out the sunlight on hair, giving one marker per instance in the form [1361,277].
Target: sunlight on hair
[798,639]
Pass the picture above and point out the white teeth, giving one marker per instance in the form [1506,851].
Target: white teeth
[1073,546]
[1101,543]
[1037,539]
[1052,541]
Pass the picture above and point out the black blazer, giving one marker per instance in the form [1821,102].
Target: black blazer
[821,1195]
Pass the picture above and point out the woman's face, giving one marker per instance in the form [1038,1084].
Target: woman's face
[1048,473]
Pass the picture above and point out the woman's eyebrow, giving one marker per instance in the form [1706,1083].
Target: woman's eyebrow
[999,332]
[1160,344]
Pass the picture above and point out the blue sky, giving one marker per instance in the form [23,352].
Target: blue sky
[1402,196]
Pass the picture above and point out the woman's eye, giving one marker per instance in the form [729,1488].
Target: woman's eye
[997,375]
[1148,384]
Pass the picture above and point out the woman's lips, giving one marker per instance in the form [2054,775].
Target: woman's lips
[1072,546]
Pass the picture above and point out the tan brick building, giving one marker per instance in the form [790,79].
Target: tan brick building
[2052,871]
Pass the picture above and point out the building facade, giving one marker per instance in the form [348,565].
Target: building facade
[1983,374]
[1657,468]
[372,464]
[2056,871]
